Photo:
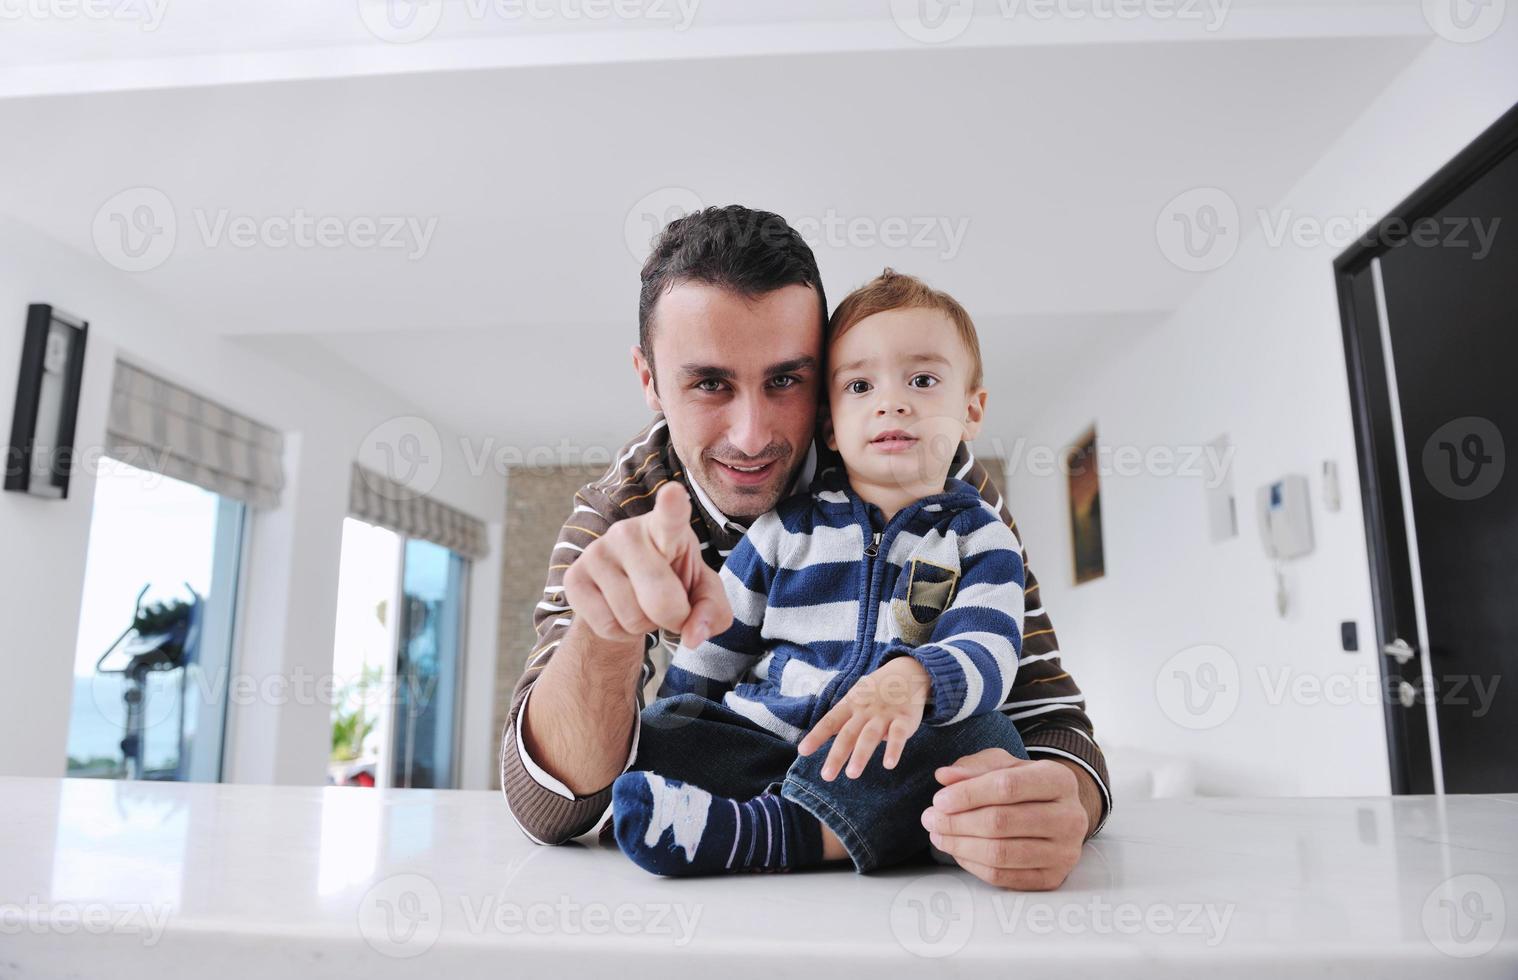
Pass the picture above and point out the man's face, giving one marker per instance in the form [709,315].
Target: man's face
[738,381]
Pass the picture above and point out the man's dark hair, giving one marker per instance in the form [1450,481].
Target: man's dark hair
[734,248]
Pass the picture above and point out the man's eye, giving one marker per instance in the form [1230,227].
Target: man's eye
[786,381]
[931,381]
[857,387]
[703,383]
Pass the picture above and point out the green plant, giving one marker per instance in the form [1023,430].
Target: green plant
[350,723]
[349,729]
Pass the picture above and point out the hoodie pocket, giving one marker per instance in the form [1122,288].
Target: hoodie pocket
[923,592]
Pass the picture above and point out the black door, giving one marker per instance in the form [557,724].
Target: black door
[1431,330]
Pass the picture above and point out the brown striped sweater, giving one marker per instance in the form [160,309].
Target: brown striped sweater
[1045,702]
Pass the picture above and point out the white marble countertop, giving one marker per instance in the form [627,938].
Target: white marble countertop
[128,880]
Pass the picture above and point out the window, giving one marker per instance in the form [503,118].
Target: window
[151,663]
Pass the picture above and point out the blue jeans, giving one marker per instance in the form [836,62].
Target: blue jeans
[877,817]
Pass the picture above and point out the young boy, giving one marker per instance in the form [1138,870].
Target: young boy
[883,606]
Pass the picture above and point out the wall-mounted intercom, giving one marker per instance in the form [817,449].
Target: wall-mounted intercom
[1285,512]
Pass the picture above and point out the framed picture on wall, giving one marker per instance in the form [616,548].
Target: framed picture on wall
[40,455]
[1085,509]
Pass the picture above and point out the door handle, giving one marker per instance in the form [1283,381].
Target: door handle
[1399,650]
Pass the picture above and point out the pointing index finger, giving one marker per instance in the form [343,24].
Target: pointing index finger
[670,519]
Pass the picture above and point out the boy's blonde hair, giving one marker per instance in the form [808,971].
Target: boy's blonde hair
[891,290]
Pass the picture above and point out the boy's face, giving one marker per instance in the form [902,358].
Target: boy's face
[901,373]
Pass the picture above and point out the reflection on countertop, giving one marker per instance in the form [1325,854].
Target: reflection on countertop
[162,880]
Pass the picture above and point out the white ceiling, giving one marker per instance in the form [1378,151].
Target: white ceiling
[54,46]
[1052,158]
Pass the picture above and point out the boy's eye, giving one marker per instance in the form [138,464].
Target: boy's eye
[928,379]
[857,387]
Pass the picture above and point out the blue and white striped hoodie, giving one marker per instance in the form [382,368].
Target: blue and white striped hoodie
[824,591]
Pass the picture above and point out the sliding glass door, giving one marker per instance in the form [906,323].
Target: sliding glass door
[398,661]
[156,622]
[427,667]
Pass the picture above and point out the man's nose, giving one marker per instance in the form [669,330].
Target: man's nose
[749,431]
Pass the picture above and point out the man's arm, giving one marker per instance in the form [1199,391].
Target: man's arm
[573,725]
[1045,703]
[1021,823]
[1090,793]
[555,776]
[588,702]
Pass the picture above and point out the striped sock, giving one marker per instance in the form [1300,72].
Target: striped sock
[674,828]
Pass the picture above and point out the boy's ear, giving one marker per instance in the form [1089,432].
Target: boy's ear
[975,413]
[825,423]
[646,379]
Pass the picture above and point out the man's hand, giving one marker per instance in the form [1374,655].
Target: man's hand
[646,573]
[1008,821]
[886,703]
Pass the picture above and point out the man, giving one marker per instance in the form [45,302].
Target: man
[731,317]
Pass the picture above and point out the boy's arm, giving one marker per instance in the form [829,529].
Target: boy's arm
[716,665]
[971,657]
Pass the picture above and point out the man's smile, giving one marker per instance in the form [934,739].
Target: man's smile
[747,475]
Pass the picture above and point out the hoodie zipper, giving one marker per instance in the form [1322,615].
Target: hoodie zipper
[867,627]
[864,644]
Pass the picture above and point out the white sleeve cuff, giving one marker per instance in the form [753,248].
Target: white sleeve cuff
[546,780]
[1106,793]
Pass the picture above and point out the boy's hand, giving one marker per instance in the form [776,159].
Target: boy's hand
[887,703]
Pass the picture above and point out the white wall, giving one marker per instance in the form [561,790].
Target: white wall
[1255,353]
[288,618]
[481,742]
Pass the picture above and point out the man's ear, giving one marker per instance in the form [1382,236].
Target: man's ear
[646,379]
[975,413]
